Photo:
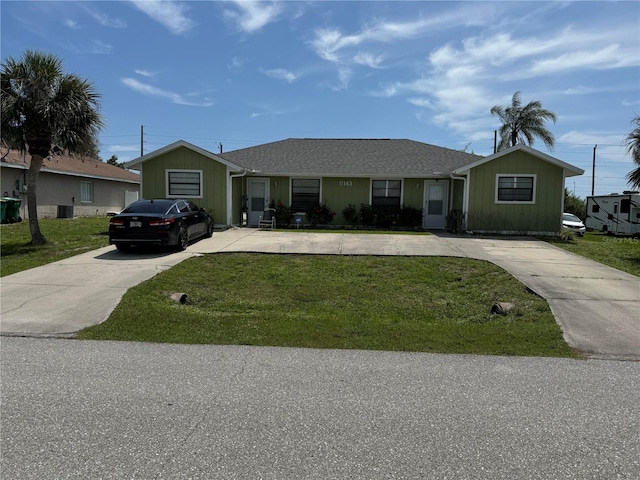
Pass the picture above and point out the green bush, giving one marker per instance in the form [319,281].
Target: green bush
[405,216]
[350,214]
[367,215]
[455,221]
[320,215]
[283,214]
[410,216]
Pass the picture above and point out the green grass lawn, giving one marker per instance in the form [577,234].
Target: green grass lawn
[66,238]
[622,253]
[418,304]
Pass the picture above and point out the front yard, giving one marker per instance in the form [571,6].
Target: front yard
[622,253]
[415,304]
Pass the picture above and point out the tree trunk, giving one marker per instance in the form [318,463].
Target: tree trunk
[37,238]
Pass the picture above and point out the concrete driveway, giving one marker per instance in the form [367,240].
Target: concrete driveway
[596,306]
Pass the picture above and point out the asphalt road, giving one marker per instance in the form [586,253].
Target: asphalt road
[85,410]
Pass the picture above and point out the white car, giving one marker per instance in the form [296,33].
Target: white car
[573,223]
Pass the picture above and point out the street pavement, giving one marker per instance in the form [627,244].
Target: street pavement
[115,410]
[597,307]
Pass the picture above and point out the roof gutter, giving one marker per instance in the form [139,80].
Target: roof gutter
[230,191]
[465,195]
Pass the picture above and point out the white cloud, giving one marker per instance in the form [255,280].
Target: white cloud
[145,73]
[168,13]
[72,24]
[104,19]
[330,42]
[252,15]
[344,77]
[281,74]
[100,47]
[124,148]
[611,56]
[368,59]
[421,102]
[94,47]
[157,92]
[236,64]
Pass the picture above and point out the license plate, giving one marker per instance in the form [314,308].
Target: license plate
[135,224]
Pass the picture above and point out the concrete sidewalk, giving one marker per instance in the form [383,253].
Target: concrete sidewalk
[597,306]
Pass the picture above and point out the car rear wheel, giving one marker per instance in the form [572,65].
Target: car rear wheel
[123,247]
[210,230]
[183,238]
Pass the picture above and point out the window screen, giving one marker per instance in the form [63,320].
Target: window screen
[184,184]
[386,193]
[86,192]
[305,193]
[515,189]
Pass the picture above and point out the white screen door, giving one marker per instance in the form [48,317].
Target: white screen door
[258,189]
[435,205]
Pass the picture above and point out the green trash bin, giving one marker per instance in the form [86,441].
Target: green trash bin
[12,213]
[4,211]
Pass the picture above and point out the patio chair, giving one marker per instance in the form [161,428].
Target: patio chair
[268,218]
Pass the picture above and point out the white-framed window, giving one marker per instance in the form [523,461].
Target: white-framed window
[386,194]
[86,192]
[305,193]
[516,188]
[184,183]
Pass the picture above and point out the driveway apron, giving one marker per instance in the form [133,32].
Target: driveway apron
[596,306]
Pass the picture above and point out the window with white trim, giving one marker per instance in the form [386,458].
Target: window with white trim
[184,183]
[86,192]
[305,193]
[515,188]
[385,194]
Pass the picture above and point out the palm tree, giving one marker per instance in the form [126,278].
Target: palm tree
[522,124]
[633,148]
[43,108]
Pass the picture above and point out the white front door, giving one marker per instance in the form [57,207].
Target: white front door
[258,189]
[435,204]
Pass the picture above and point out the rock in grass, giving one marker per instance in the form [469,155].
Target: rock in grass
[501,308]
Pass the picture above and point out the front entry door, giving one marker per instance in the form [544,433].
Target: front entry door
[258,189]
[435,204]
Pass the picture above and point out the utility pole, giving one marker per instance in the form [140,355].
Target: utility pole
[593,172]
[495,141]
[141,140]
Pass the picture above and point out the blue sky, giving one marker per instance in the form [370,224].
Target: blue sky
[245,73]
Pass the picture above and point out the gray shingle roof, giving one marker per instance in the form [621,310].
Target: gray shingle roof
[350,157]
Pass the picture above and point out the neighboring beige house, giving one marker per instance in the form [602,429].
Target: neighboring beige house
[69,186]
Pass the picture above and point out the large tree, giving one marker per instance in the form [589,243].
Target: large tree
[523,124]
[633,148]
[44,109]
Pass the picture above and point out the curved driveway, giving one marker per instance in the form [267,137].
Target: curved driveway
[596,306]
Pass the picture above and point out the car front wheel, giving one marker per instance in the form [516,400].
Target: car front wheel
[210,230]
[183,238]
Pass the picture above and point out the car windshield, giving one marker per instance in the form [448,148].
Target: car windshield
[160,207]
[570,218]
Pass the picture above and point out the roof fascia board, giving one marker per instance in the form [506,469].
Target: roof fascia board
[347,175]
[570,169]
[178,144]
[71,174]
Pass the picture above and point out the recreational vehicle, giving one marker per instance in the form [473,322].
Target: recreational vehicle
[615,214]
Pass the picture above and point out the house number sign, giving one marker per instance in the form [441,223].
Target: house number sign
[345,183]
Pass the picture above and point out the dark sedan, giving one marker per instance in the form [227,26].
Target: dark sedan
[159,222]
